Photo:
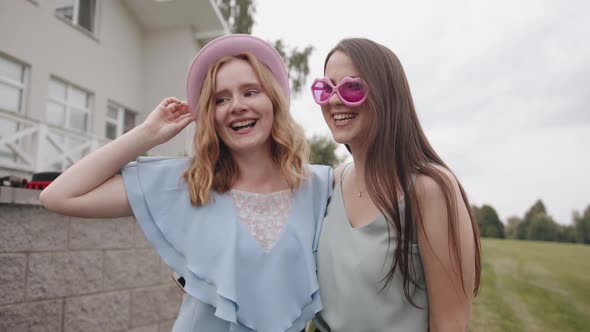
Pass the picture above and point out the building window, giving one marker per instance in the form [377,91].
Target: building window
[79,12]
[12,85]
[68,106]
[119,120]
[12,95]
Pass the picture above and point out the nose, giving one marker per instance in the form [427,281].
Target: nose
[335,99]
[238,105]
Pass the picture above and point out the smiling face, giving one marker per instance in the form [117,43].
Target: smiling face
[349,125]
[243,111]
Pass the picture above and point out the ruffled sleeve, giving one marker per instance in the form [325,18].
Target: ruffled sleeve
[196,242]
[155,190]
[324,186]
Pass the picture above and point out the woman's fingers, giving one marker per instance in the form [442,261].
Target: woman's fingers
[169,100]
[172,109]
[185,119]
[183,109]
[180,107]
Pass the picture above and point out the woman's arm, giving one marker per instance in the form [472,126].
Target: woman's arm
[449,300]
[90,188]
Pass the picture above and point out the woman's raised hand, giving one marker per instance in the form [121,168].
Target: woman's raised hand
[168,119]
[103,194]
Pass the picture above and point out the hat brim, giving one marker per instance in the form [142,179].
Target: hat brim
[230,45]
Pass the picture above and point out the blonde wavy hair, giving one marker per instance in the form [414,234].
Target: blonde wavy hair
[212,166]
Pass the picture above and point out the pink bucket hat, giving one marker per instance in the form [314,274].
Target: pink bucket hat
[229,45]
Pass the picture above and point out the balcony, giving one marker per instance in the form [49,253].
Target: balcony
[203,15]
[29,146]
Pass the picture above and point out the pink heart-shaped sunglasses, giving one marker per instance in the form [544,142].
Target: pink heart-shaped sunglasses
[352,90]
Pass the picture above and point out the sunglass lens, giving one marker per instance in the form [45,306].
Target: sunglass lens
[321,91]
[353,91]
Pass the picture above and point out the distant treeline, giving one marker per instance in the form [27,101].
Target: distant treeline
[536,225]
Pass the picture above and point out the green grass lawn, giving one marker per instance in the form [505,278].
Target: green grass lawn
[533,286]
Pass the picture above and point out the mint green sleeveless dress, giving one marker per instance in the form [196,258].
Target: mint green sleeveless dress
[352,263]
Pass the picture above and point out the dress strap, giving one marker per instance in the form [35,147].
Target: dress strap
[413,177]
[344,172]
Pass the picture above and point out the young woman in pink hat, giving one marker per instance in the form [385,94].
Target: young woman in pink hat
[399,248]
[240,220]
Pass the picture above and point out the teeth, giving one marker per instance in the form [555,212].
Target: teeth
[343,116]
[242,123]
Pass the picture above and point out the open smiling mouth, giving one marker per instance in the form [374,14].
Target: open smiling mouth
[239,126]
[344,117]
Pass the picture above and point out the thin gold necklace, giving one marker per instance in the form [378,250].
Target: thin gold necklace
[360,194]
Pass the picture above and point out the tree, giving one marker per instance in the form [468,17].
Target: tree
[539,225]
[522,229]
[567,233]
[239,15]
[489,222]
[297,64]
[542,228]
[323,151]
[512,228]
[582,226]
[537,208]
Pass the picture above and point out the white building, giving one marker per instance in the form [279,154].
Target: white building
[76,73]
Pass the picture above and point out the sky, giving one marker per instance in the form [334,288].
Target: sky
[502,88]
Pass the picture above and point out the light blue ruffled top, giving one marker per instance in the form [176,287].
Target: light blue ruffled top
[232,283]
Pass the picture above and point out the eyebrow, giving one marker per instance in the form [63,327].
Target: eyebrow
[243,86]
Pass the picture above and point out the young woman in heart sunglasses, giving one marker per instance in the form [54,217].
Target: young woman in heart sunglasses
[399,248]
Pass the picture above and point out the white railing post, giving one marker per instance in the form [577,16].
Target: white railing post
[94,145]
[41,137]
[53,145]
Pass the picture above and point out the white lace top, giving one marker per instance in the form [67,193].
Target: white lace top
[264,215]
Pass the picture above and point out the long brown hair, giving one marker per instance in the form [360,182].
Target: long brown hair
[212,166]
[398,148]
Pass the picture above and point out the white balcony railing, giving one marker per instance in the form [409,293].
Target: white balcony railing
[32,146]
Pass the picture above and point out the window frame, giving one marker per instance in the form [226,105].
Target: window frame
[74,22]
[68,105]
[22,86]
[120,121]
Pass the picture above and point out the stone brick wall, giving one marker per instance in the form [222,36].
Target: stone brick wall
[69,274]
